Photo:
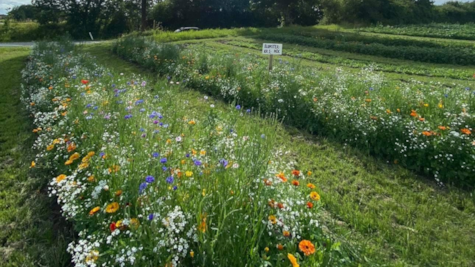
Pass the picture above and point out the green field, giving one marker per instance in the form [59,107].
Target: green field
[382,203]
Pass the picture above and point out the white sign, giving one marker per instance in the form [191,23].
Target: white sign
[272,49]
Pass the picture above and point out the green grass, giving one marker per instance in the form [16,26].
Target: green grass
[32,233]
[384,214]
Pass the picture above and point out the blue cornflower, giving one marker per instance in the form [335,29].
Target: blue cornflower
[238,107]
[187,155]
[95,108]
[263,136]
[371,88]
[170,180]
[224,162]
[101,154]
[88,105]
[149,179]
[163,160]
[197,162]
[248,111]
[164,168]
[138,102]
[142,110]
[150,217]
[155,154]
[142,187]
[142,130]
[175,188]
[128,116]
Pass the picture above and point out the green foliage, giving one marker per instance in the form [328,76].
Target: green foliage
[437,30]
[359,61]
[400,49]
[28,31]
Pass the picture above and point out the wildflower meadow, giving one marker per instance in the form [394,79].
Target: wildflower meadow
[147,183]
[424,126]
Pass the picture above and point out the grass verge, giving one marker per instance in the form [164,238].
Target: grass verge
[387,215]
[32,232]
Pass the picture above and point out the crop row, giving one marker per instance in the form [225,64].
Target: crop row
[413,69]
[459,55]
[423,126]
[147,182]
[437,30]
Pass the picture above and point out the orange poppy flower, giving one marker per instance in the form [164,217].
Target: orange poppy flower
[295,182]
[413,113]
[311,186]
[296,172]
[466,131]
[309,205]
[306,247]
[426,133]
[443,128]
[282,177]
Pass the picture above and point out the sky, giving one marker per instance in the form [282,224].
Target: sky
[5,5]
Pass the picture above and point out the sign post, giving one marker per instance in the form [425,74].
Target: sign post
[90,35]
[271,50]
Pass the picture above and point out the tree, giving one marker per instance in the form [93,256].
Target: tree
[144,15]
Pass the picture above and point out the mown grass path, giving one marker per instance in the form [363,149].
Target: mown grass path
[32,233]
[385,215]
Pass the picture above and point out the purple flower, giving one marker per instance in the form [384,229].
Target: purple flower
[197,163]
[142,110]
[187,155]
[150,217]
[170,180]
[155,122]
[248,111]
[128,116]
[149,179]
[101,154]
[142,187]
[224,162]
[155,154]
[164,168]
[238,107]
[175,188]
[138,102]
[144,83]
[163,160]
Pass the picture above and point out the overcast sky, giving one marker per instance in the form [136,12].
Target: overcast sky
[5,5]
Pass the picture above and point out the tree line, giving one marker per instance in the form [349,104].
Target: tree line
[109,18]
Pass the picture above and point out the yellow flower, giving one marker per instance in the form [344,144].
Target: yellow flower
[56,141]
[60,178]
[293,260]
[91,178]
[92,153]
[202,152]
[68,162]
[266,249]
[50,147]
[33,164]
[309,173]
[112,208]
[192,122]
[83,165]
[92,256]
[134,223]
[192,254]
[74,156]
[189,173]
[94,211]
[272,219]
[441,105]
[311,186]
[315,196]
[426,105]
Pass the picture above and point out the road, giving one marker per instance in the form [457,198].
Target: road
[29,44]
